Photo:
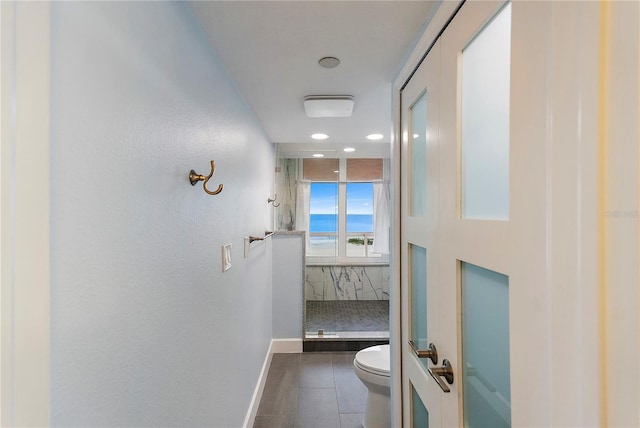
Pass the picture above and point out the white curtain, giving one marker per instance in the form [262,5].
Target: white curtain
[381,218]
[303,194]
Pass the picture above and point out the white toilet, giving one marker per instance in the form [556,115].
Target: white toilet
[372,367]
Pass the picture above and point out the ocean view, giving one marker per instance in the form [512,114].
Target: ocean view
[329,223]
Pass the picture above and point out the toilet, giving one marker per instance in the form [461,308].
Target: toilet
[372,367]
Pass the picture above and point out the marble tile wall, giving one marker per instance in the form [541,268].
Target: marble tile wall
[347,283]
[286,190]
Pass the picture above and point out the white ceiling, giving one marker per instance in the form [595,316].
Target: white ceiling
[271,50]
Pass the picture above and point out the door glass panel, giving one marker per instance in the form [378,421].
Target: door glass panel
[419,413]
[418,158]
[485,121]
[418,284]
[485,347]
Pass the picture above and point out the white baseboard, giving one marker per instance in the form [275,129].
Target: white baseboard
[286,346]
[257,394]
[277,346]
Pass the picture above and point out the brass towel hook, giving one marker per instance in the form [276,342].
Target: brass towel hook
[273,201]
[195,177]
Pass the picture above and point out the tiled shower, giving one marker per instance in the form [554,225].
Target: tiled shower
[347,302]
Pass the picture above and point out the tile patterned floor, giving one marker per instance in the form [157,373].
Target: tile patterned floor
[347,315]
[312,390]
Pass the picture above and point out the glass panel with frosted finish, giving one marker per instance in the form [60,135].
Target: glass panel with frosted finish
[419,413]
[418,285]
[485,121]
[485,347]
[418,158]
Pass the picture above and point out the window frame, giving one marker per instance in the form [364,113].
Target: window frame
[341,234]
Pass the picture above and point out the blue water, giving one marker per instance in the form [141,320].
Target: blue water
[329,223]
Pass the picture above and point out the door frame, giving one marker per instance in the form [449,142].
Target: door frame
[577,293]
[24,223]
[441,17]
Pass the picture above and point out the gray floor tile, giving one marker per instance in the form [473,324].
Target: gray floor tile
[343,360]
[284,360]
[316,370]
[352,420]
[317,407]
[350,391]
[280,395]
[311,390]
[275,421]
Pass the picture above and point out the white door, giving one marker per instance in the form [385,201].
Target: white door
[419,218]
[472,234]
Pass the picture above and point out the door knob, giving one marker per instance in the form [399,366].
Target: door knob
[446,372]
[431,353]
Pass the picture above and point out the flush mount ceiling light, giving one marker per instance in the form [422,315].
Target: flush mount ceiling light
[349,149]
[319,136]
[328,105]
[318,155]
[329,62]
[375,137]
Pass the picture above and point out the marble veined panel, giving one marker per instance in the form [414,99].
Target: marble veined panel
[286,191]
[347,283]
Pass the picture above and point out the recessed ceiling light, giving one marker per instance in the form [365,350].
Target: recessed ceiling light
[349,149]
[375,137]
[336,172]
[416,135]
[329,62]
[319,136]
[318,155]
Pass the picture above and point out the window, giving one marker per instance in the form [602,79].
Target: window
[341,208]
[323,219]
[359,233]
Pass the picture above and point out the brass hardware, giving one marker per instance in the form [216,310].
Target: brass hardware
[260,238]
[446,371]
[431,353]
[269,200]
[248,240]
[194,177]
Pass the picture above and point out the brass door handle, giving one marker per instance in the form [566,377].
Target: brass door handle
[446,372]
[431,353]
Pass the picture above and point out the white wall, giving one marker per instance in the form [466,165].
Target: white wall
[145,328]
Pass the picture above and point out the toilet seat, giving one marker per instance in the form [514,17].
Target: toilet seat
[374,360]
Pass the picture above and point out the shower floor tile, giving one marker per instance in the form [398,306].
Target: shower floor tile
[335,316]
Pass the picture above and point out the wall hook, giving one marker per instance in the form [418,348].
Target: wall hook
[195,177]
[275,197]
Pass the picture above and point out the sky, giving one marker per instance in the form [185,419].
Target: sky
[324,198]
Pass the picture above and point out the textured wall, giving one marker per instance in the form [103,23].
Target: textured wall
[347,282]
[145,328]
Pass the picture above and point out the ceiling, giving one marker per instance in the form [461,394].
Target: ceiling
[271,50]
